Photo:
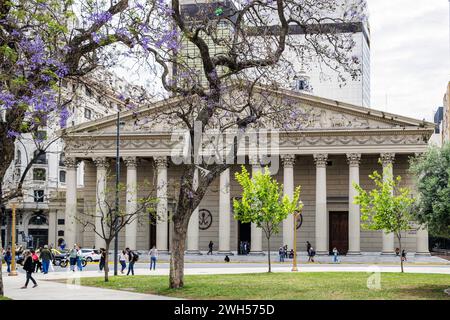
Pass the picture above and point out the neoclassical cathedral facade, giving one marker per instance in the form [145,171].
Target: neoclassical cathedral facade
[333,146]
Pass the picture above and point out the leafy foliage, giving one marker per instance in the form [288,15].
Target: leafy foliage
[263,204]
[432,173]
[387,207]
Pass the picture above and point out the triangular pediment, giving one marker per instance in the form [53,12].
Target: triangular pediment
[286,110]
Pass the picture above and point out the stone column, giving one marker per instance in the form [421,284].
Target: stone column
[101,208]
[422,248]
[224,213]
[193,230]
[354,215]
[162,230]
[321,204]
[256,233]
[288,184]
[131,203]
[70,228]
[387,159]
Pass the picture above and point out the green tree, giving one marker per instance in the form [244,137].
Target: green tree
[432,173]
[262,203]
[387,207]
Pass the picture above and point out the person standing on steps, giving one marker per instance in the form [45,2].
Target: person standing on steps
[28,266]
[210,246]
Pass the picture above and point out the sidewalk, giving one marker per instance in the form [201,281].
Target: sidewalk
[51,290]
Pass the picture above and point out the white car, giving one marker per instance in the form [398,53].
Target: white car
[90,254]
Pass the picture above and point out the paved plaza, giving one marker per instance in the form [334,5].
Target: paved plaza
[61,284]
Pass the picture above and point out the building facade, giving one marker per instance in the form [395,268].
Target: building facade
[338,144]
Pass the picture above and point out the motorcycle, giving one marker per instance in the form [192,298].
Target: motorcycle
[66,261]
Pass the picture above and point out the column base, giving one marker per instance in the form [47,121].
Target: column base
[322,253]
[354,253]
[225,253]
[163,251]
[422,254]
[193,252]
[388,254]
[256,253]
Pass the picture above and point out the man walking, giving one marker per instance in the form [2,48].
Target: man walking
[153,257]
[45,256]
[132,258]
[281,254]
[73,254]
[210,246]
[8,258]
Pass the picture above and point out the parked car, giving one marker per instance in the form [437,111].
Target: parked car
[90,254]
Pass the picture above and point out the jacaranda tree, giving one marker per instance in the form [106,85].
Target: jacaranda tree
[43,42]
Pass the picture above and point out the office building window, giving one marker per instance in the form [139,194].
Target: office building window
[61,222]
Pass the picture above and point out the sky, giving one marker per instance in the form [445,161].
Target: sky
[410,55]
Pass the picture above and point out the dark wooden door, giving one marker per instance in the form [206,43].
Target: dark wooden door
[339,232]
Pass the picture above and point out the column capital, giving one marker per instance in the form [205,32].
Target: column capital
[101,162]
[131,162]
[387,158]
[288,160]
[321,159]
[161,162]
[71,162]
[354,159]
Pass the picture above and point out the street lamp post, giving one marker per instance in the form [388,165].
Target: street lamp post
[116,237]
[13,240]
[294,261]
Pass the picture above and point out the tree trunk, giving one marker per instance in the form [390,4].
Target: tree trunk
[176,277]
[107,262]
[268,255]
[401,252]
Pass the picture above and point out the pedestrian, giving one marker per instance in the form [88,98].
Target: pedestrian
[312,253]
[397,252]
[153,257]
[241,248]
[227,259]
[308,247]
[210,246]
[73,253]
[79,259]
[291,254]
[8,258]
[285,251]
[123,257]
[403,255]
[62,245]
[281,254]
[37,263]
[28,266]
[132,258]
[101,263]
[245,245]
[45,255]
[335,255]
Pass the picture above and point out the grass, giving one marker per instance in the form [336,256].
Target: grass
[4,298]
[287,286]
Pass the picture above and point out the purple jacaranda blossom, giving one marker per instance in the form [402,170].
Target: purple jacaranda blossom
[100,17]
[12,134]
[63,116]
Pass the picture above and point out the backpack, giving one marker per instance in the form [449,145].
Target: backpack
[313,253]
[135,256]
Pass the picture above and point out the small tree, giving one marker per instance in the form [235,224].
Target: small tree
[262,203]
[112,222]
[432,173]
[387,207]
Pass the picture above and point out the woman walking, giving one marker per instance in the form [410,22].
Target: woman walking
[123,260]
[28,266]
[79,259]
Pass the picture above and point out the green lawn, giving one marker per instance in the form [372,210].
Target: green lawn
[287,286]
[4,298]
